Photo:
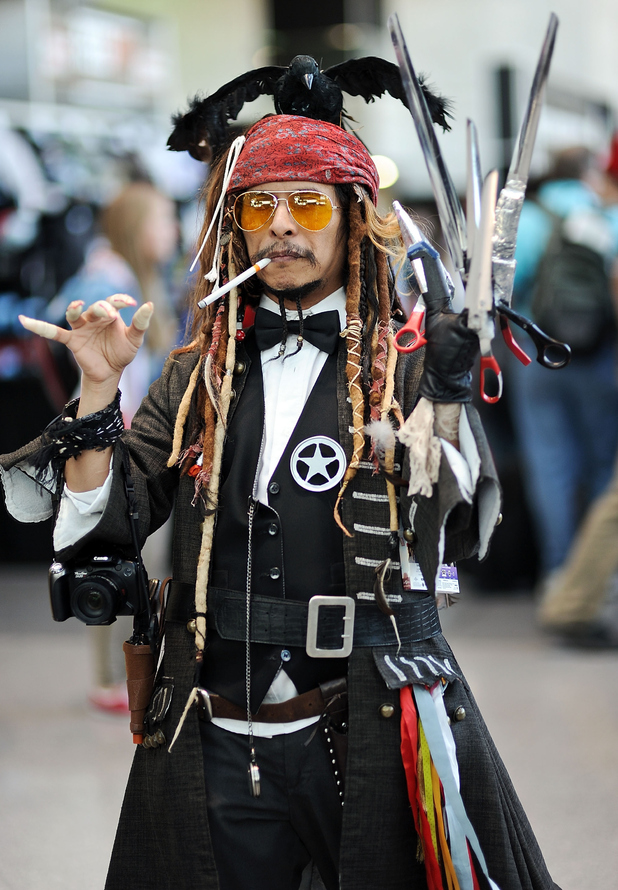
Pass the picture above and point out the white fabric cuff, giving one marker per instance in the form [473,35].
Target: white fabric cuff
[80,512]
[25,499]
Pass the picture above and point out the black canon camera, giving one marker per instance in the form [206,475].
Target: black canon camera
[95,590]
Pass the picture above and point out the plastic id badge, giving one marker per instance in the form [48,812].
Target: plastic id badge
[412,576]
[447,581]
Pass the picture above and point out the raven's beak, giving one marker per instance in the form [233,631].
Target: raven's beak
[308,78]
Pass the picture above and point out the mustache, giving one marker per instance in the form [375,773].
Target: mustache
[285,249]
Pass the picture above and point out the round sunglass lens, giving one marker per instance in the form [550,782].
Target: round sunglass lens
[311,210]
[253,210]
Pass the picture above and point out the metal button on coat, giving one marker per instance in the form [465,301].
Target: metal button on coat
[273,488]
[286,655]
[192,625]
[239,368]
[387,710]
[275,573]
[459,714]
[273,529]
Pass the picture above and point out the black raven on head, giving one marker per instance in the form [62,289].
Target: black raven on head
[300,89]
[305,91]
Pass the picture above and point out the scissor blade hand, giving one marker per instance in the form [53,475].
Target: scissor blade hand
[522,155]
[411,234]
[474,185]
[479,294]
[449,209]
[512,195]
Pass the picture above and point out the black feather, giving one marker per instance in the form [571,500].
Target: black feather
[300,89]
[204,130]
[370,77]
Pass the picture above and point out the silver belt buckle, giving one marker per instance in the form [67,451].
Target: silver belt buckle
[313,617]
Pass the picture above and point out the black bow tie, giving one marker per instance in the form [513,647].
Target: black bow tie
[322,329]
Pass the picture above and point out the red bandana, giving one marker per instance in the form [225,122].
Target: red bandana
[287,148]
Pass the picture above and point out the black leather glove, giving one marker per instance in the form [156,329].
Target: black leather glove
[452,347]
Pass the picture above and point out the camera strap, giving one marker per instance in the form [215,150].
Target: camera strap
[143,621]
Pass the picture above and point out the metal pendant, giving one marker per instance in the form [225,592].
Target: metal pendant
[253,774]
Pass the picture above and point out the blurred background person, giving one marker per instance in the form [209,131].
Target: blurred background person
[566,421]
[577,603]
[138,242]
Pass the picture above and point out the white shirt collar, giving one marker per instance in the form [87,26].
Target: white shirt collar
[335,300]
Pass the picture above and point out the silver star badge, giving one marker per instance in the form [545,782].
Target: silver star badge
[318,463]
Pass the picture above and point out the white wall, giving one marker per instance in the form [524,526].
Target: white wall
[459,43]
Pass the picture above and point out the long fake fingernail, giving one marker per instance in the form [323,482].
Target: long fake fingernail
[74,310]
[42,328]
[142,317]
[121,301]
[104,310]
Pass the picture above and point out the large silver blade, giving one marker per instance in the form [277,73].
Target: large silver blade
[479,296]
[449,209]
[522,155]
[411,234]
[512,195]
[473,187]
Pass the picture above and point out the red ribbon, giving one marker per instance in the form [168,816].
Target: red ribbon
[409,757]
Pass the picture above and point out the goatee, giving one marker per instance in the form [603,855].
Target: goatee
[294,294]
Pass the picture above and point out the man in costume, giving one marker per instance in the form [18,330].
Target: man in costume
[283,447]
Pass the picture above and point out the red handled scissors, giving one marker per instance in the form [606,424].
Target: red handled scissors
[414,326]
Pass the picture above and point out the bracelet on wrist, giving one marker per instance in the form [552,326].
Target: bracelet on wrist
[68,436]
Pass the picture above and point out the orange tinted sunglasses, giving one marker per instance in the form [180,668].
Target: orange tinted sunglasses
[311,210]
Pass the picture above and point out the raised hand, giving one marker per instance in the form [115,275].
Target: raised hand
[99,339]
[101,343]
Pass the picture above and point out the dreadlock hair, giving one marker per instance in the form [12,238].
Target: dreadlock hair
[371,301]
[208,330]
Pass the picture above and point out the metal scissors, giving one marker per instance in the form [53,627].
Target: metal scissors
[411,336]
[482,245]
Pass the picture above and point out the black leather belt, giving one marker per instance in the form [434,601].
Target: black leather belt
[284,622]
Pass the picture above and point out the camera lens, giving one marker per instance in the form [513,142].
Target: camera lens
[95,601]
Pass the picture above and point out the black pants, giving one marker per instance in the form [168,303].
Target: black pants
[265,842]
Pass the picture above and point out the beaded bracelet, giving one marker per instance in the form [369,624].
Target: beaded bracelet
[67,435]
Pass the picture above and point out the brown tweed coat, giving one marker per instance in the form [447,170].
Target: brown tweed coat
[163,841]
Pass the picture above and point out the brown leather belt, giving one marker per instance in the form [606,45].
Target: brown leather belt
[329,698]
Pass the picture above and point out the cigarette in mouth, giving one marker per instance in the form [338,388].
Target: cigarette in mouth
[220,291]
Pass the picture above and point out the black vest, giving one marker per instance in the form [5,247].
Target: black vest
[297,548]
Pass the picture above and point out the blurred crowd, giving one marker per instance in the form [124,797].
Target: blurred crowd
[567,422]
[555,434]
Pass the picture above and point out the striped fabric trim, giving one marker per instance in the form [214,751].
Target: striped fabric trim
[371,530]
[367,496]
[369,465]
[373,563]
[390,597]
